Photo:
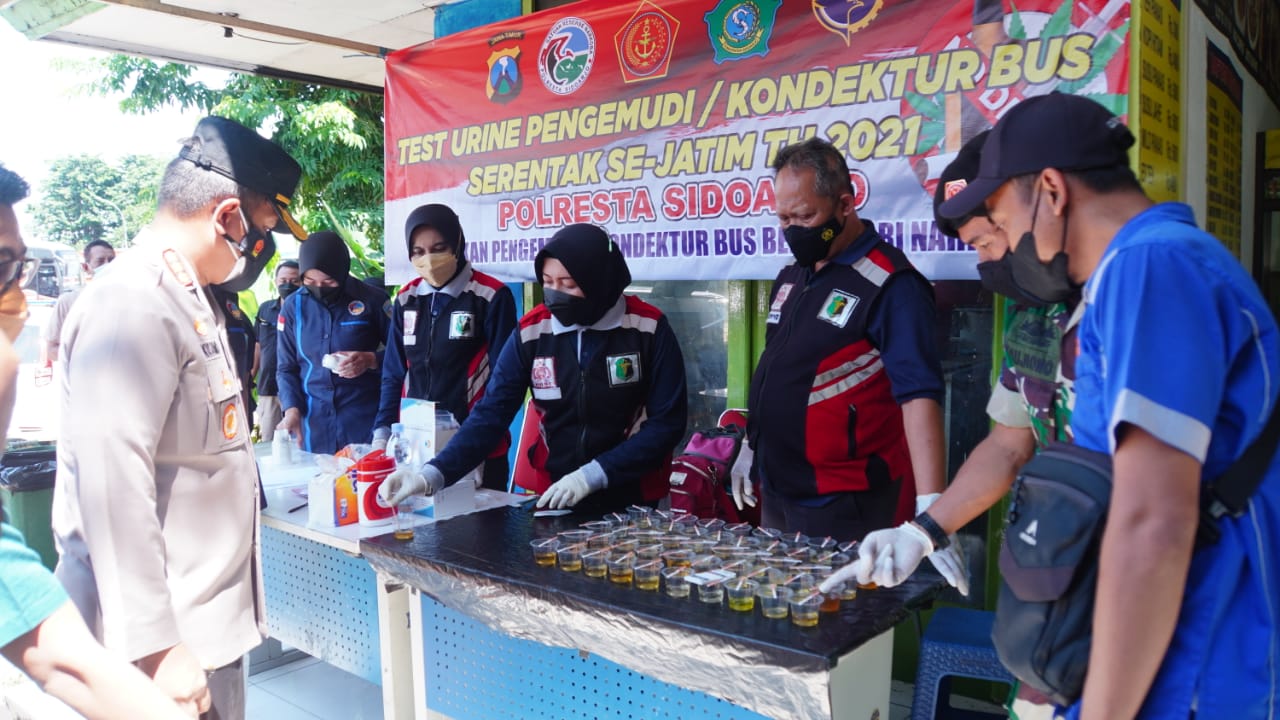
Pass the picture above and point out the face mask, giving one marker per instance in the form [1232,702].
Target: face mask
[13,311]
[810,245]
[254,250]
[326,295]
[997,276]
[1037,282]
[436,268]
[569,309]
[286,289]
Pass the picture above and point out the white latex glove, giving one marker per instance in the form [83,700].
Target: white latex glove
[887,557]
[379,444]
[950,560]
[405,482]
[572,488]
[744,493]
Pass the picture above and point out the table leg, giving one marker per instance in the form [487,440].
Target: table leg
[860,681]
[419,655]
[395,631]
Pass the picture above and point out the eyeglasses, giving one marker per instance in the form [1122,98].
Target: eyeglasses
[13,269]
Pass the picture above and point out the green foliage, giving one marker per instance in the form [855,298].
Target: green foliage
[336,135]
[84,198]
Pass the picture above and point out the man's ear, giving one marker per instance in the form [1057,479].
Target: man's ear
[227,218]
[1055,182]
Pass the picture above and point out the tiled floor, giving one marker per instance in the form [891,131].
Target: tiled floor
[309,689]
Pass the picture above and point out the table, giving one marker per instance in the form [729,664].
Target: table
[323,598]
[524,634]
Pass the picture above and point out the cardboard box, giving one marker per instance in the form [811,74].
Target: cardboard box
[429,429]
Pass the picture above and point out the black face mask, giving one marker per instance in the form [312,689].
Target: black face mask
[570,309]
[286,289]
[326,295]
[257,248]
[810,245]
[1038,282]
[997,276]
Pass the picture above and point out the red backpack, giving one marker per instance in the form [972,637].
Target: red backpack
[700,483]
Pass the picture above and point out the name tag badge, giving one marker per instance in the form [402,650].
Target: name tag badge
[410,321]
[410,340]
[542,378]
[462,325]
[623,369]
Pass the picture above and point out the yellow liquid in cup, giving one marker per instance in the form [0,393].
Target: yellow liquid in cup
[571,565]
[774,612]
[804,617]
[850,592]
[647,583]
[406,534]
[744,604]
[622,577]
[596,571]
[868,586]
[544,559]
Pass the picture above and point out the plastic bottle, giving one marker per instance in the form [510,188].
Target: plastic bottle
[282,449]
[399,449]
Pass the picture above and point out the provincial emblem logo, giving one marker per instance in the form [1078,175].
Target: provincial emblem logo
[741,28]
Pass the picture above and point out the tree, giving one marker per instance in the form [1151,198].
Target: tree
[85,199]
[336,135]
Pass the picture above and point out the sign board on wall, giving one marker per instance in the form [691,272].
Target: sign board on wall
[1224,135]
[1157,87]
[1253,29]
[659,119]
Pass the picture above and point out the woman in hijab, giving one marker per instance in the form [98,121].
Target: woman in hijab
[329,348]
[447,327]
[607,380]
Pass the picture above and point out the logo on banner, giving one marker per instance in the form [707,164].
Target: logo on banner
[505,80]
[837,308]
[846,17]
[624,369]
[566,55]
[741,28]
[644,44]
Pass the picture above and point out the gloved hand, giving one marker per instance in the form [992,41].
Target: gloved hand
[950,560]
[380,437]
[572,488]
[404,482]
[744,493]
[887,557]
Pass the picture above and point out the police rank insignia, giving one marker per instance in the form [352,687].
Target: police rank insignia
[741,28]
[837,308]
[623,369]
[462,325]
[644,43]
[230,422]
[505,80]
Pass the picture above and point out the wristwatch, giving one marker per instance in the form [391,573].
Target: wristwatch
[939,536]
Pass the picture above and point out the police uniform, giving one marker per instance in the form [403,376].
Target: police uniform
[336,411]
[826,422]
[268,404]
[441,347]
[155,510]
[241,337]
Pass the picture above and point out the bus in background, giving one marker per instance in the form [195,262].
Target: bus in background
[58,270]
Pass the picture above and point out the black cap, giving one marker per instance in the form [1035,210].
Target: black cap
[236,152]
[327,252]
[956,177]
[1060,131]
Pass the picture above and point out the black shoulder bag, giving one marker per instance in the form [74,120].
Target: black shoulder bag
[1049,556]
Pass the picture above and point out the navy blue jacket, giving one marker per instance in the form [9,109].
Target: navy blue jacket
[268,319]
[336,411]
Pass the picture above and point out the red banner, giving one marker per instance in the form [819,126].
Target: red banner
[659,119]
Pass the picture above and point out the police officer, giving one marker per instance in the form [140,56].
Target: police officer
[288,280]
[607,379]
[155,505]
[447,328]
[330,405]
[243,341]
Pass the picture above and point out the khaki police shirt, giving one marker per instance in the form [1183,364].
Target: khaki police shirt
[155,509]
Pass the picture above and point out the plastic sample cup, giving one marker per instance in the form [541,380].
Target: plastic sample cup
[544,551]
[647,575]
[598,526]
[711,593]
[639,516]
[595,563]
[804,608]
[648,552]
[678,558]
[742,594]
[404,520]
[622,568]
[676,581]
[774,600]
[569,557]
[574,537]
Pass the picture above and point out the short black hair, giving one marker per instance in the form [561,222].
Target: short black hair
[1113,178]
[830,171]
[96,243]
[12,187]
[286,264]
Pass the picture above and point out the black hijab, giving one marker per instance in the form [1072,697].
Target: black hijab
[444,220]
[595,263]
[327,252]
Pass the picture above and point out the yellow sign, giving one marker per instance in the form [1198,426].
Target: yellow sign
[1155,80]
[1271,158]
[1224,140]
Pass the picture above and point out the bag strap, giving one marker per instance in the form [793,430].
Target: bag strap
[1229,493]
